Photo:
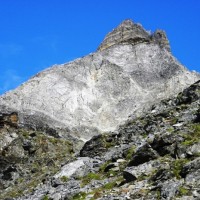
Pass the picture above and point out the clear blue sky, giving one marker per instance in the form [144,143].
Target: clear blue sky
[36,34]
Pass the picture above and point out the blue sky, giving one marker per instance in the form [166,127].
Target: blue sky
[37,34]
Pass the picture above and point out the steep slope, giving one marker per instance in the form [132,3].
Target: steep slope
[155,156]
[130,71]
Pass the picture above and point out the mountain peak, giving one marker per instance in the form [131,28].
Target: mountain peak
[129,32]
[126,32]
[127,23]
[94,94]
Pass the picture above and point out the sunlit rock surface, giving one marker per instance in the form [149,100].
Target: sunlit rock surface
[131,70]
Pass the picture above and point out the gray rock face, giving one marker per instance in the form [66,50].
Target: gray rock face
[129,33]
[130,71]
[126,32]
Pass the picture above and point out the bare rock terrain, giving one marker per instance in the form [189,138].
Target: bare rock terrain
[131,70]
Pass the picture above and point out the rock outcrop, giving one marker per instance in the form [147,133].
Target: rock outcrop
[129,33]
[131,70]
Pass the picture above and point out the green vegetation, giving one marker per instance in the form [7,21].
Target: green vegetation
[111,173]
[91,176]
[145,135]
[192,137]
[143,177]
[103,166]
[130,152]
[170,130]
[183,191]
[25,134]
[45,197]
[196,130]
[94,176]
[97,192]
[109,186]
[14,193]
[158,194]
[79,196]
[64,178]
[177,166]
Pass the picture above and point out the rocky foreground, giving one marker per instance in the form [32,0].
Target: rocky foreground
[155,156]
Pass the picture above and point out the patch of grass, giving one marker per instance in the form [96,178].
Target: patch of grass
[177,166]
[144,135]
[91,176]
[194,137]
[196,128]
[79,196]
[183,191]
[143,177]
[188,141]
[111,173]
[109,186]
[53,140]
[45,197]
[94,176]
[32,184]
[108,145]
[25,134]
[170,130]
[103,166]
[98,192]
[158,194]
[14,193]
[64,178]
[20,180]
[130,152]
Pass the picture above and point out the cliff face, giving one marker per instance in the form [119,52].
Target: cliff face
[131,70]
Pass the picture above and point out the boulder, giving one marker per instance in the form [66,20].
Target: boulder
[143,155]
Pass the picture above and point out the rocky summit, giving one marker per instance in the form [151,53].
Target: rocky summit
[121,123]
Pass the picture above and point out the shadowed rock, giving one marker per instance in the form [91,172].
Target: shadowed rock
[144,154]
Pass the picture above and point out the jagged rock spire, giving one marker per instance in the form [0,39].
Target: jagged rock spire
[127,31]
[160,37]
[130,33]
